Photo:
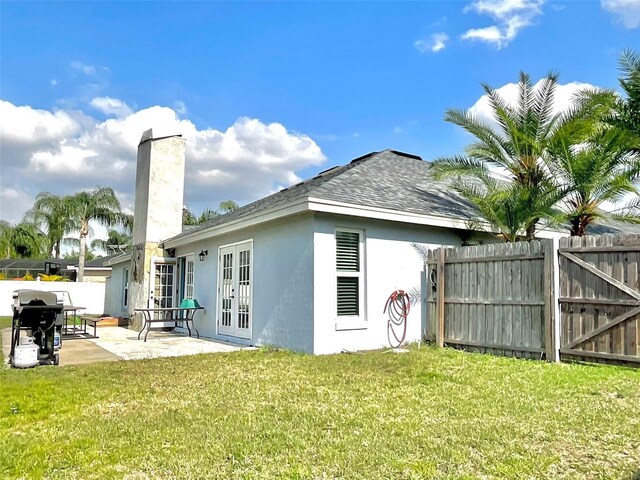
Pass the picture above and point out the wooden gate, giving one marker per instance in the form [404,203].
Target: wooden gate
[600,298]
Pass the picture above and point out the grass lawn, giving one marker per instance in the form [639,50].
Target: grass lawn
[262,414]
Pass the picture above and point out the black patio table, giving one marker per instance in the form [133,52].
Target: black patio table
[172,314]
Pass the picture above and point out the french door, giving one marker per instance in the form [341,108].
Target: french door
[235,279]
[162,285]
[185,275]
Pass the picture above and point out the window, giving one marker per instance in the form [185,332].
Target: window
[125,288]
[188,283]
[349,278]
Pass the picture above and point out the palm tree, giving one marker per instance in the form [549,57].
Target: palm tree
[51,213]
[593,170]
[626,108]
[100,205]
[513,148]
[227,206]
[23,240]
[508,206]
[189,218]
[116,242]
[620,111]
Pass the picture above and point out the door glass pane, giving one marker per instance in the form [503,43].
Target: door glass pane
[163,286]
[244,288]
[188,290]
[226,289]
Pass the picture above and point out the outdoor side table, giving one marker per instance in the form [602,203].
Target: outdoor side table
[163,315]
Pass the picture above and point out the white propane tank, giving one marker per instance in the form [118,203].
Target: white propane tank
[26,354]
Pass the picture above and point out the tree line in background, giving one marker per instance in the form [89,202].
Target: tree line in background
[535,168]
[46,226]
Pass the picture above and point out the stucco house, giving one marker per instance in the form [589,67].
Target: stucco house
[308,268]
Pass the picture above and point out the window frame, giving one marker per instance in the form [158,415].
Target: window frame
[351,322]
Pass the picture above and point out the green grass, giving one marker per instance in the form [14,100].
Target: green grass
[267,414]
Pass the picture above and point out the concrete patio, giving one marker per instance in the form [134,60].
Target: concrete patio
[118,343]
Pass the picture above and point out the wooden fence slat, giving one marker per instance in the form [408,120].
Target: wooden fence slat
[440,301]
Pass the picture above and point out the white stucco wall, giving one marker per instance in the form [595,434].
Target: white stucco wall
[115,284]
[90,295]
[282,283]
[391,263]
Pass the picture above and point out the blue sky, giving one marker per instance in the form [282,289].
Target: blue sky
[269,93]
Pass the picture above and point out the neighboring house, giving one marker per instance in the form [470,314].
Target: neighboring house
[95,270]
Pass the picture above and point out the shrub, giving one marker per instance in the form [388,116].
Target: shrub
[53,278]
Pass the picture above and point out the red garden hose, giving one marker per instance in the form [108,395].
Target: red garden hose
[398,306]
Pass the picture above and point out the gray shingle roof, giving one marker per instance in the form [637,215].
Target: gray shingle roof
[388,179]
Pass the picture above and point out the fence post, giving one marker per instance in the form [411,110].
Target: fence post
[440,298]
[551,305]
[424,300]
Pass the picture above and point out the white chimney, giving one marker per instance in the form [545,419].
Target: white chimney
[159,188]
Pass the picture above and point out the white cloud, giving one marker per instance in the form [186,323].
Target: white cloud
[111,106]
[511,16]
[487,34]
[83,67]
[435,43]
[625,11]
[53,82]
[63,151]
[509,93]
[180,107]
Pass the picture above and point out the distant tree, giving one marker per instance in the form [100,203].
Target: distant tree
[100,205]
[206,216]
[189,218]
[116,241]
[51,213]
[23,240]
[227,206]
[74,253]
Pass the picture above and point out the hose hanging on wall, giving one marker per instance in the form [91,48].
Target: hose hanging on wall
[398,306]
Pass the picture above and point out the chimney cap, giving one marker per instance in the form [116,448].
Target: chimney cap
[146,136]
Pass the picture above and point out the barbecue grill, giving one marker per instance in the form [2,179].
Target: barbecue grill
[39,316]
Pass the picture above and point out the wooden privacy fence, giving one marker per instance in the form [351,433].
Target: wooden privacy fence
[599,297]
[577,297]
[493,298]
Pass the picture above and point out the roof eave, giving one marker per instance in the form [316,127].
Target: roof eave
[355,210]
[281,211]
[125,257]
